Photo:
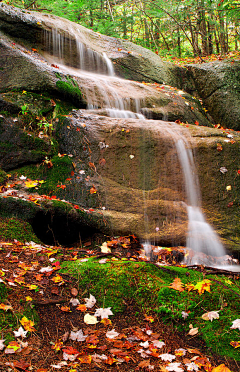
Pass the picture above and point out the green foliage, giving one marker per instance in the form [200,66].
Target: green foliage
[116,284]
[14,228]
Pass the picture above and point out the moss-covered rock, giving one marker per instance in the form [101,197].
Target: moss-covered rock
[14,228]
[18,147]
[51,221]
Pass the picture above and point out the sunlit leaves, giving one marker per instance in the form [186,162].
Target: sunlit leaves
[27,324]
[203,286]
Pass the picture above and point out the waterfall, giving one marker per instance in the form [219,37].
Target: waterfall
[201,238]
[97,72]
[95,68]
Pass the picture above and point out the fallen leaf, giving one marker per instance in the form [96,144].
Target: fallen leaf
[202,286]
[112,334]
[74,292]
[236,324]
[103,313]
[221,368]
[235,344]
[27,324]
[193,331]
[177,285]
[21,364]
[210,315]
[81,307]
[90,319]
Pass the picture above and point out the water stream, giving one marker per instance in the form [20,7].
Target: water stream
[100,89]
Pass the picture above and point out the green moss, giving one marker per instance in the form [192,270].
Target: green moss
[70,89]
[53,177]
[9,321]
[116,284]
[13,228]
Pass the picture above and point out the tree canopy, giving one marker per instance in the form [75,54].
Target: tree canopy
[179,28]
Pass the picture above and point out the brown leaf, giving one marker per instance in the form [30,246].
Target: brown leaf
[74,291]
[55,290]
[102,162]
[21,365]
[177,285]
[194,351]
[144,364]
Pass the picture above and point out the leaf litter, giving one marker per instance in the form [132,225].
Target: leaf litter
[83,338]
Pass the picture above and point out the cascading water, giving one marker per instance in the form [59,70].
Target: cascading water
[93,67]
[97,70]
[202,239]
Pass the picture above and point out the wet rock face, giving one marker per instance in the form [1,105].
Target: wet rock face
[218,84]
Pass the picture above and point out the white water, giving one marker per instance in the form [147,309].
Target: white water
[97,70]
[201,236]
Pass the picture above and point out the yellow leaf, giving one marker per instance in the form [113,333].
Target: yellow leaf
[28,298]
[31,184]
[58,345]
[27,324]
[202,286]
[57,279]
[31,287]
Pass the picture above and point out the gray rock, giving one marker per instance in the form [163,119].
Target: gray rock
[218,84]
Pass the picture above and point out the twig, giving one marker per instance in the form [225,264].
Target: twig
[50,301]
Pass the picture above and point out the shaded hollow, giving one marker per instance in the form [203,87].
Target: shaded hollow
[60,229]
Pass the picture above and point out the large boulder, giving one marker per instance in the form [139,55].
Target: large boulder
[129,169]
[131,61]
[218,84]
[24,69]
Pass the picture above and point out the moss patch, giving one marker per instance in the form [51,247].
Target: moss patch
[9,321]
[13,228]
[70,89]
[55,177]
[117,284]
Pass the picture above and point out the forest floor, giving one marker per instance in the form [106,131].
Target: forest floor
[41,322]
[231,56]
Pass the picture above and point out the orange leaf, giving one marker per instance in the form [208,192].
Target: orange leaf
[221,368]
[81,307]
[93,190]
[66,309]
[177,285]
[85,359]
[235,344]
[219,147]
[102,162]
